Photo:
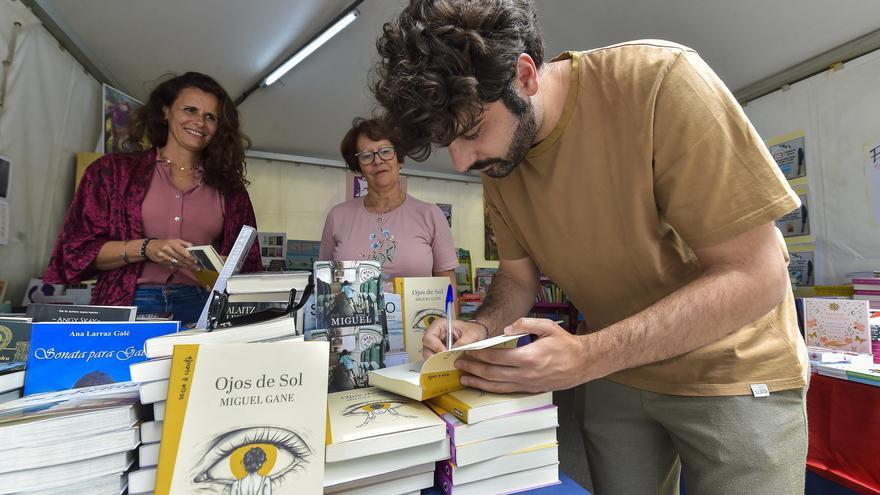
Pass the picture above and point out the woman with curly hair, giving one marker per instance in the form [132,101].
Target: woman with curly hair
[134,214]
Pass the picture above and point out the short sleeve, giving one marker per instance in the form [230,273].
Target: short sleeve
[713,176]
[442,247]
[508,247]
[328,243]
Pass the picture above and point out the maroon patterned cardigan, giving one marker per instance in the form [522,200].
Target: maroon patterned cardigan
[107,207]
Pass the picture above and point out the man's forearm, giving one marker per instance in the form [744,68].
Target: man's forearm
[706,310]
[508,299]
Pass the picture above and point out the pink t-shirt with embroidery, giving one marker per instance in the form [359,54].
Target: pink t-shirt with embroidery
[413,240]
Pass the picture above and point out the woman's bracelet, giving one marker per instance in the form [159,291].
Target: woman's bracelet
[124,254]
[486,328]
[144,247]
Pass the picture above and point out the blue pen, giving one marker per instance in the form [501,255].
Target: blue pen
[450,305]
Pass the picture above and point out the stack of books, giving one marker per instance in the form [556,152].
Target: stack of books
[499,443]
[152,377]
[11,380]
[254,292]
[381,443]
[867,289]
[78,441]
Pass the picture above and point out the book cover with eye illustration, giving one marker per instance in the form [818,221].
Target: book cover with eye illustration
[371,421]
[436,375]
[83,354]
[350,315]
[423,300]
[245,418]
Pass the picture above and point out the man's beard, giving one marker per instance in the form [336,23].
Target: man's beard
[520,144]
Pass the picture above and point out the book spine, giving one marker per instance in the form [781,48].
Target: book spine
[452,405]
[182,373]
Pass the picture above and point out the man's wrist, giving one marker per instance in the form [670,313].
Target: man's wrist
[485,329]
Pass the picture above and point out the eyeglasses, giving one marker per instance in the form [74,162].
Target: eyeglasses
[368,157]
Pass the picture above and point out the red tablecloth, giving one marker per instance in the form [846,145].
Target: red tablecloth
[844,424]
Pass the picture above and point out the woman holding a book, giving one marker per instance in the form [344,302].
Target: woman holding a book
[409,237]
[134,214]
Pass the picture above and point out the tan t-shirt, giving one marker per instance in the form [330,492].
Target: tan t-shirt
[652,157]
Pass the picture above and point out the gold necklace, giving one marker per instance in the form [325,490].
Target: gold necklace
[162,159]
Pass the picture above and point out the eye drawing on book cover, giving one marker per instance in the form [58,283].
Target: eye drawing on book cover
[374,409]
[423,319]
[248,460]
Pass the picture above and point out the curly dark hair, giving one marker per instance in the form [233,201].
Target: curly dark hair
[253,459]
[223,158]
[442,60]
[374,129]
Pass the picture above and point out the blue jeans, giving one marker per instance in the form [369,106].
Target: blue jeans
[183,302]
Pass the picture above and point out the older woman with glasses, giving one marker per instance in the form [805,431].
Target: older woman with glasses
[409,237]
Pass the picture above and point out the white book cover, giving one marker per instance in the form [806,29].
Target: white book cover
[508,483]
[837,324]
[472,406]
[159,347]
[69,450]
[381,478]
[540,456]
[423,300]
[152,392]
[407,484]
[148,455]
[371,421]
[142,481]
[113,484]
[240,417]
[461,433]
[464,455]
[336,473]
[159,410]
[64,474]
[151,431]
[151,370]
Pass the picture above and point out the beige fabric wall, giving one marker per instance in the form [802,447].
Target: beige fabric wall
[295,198]
[51,111]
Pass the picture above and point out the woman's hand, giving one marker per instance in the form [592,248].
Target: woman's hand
[172,253]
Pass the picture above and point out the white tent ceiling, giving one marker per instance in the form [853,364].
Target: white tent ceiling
[134,42]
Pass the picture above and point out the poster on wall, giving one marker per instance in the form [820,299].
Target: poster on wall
[118,108]
[801,267]
[491,247]
[5,181]
[873,182]
[795,226]
[446,208]
[790,154]
[302,255]
[356,185]
[273,250]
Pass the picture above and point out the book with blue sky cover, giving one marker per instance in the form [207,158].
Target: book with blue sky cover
[73,355]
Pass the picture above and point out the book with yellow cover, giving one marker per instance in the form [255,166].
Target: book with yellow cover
[370,421]
[435,376]
[422,300]
[472,406]
[245,418]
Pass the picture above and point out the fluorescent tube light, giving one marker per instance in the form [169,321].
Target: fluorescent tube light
[312,46]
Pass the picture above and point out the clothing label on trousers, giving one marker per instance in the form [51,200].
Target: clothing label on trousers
[760,390]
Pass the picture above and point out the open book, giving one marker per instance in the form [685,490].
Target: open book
[435,376]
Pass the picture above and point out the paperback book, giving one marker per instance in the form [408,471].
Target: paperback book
[349,314]
[837,324]
[77,313]
[15,336]
[372,421]
[241,417]
[435,376]
[423,300]
[209,261]
[472,406]
[82,354]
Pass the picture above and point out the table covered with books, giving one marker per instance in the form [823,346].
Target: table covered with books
[844,427]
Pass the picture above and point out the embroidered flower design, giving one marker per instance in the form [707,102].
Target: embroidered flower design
[382,250]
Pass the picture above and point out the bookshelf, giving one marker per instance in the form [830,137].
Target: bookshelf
[551,303]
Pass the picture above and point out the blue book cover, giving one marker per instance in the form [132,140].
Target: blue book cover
[82,354]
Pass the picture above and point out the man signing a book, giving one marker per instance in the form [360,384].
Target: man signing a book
[632,178]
